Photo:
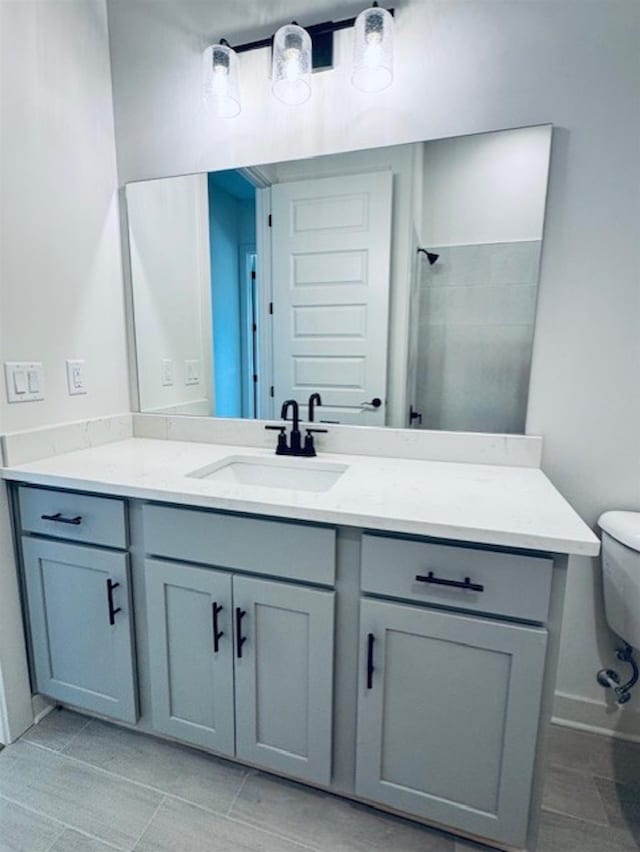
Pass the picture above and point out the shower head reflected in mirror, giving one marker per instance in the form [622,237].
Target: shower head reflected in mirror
[431,256]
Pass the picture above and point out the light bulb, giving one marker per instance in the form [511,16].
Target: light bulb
[291,68]
[220,81]
[373,50]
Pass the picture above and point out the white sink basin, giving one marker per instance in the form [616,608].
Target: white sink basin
[289,473]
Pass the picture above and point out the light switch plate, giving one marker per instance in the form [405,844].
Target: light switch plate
[76,378]
[192,372]
[24,381]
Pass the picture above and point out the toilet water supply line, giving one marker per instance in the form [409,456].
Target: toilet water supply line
[610,679]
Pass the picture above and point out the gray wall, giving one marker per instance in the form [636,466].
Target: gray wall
[60,262]
[462,67]
[61,292]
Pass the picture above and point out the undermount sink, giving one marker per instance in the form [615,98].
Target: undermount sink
[287,473]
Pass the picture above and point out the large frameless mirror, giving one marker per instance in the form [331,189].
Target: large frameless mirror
[400,283]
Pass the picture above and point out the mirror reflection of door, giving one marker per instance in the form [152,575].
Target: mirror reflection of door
[330,249]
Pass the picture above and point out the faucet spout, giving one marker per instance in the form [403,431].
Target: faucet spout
[314,400]
[293,404]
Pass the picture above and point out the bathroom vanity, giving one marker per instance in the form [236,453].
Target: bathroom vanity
[392,637]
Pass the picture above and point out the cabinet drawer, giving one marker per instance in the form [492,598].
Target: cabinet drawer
[77,517]
[505,583]
[280,549]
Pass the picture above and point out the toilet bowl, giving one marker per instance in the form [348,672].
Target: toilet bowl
[621,578]
[621,573]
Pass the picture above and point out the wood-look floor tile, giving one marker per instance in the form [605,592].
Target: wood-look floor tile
[22,830]
[73,841]
[559,833]
[178,770]
[329,823]
[56,730]
[570,749]
[574,794]
[78,795]
[617,760]
[622,805]
[180,827]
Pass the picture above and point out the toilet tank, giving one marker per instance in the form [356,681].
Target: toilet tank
[621,573]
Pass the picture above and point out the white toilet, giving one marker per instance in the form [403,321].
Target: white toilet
[621,575]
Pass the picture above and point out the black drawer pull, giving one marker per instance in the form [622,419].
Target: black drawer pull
[112,611]
[240,639]
[217,634]
[456,584]
[60,520]
[370,667]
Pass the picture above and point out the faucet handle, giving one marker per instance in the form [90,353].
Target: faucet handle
[281,448]
[309,446]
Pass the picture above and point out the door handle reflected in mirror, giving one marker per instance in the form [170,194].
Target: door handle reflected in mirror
[376,402]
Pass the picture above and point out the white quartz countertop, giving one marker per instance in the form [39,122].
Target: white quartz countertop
[490,504]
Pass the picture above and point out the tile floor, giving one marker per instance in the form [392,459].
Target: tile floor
[77,785]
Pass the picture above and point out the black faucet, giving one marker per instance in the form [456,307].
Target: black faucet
[294,447]
[314,400]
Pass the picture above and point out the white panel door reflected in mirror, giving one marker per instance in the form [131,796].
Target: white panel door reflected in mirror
[260,284]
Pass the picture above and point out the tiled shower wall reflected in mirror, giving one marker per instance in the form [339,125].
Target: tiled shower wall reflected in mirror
[477,310]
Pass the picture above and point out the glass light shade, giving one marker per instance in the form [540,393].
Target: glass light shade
[220,81]
[373,50]
[291,71]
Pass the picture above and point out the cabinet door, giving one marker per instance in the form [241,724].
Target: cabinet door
[81,626]
[284,677]
[191,653]
[448,715]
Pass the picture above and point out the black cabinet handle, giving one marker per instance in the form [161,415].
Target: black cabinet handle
[112,611]
[60,520]
[240,639]
[217,634]
[456,584]
[370,667]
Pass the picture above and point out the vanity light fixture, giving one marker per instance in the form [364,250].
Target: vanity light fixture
[296,52]
[220,80]
[373,50]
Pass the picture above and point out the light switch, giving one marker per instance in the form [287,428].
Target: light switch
[20,381]
[76,377]
[191,372]
[24,381]
[33,381]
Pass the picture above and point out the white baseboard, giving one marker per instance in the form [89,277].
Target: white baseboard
[597,717]
[41,707]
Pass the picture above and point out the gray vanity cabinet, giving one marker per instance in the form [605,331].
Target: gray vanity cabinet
[448,714]
[191,653]
[222,642]
[81,625]
[284,677]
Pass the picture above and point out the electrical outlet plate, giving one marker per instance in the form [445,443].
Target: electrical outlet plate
[24,381]
[166,372]
[76,379]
